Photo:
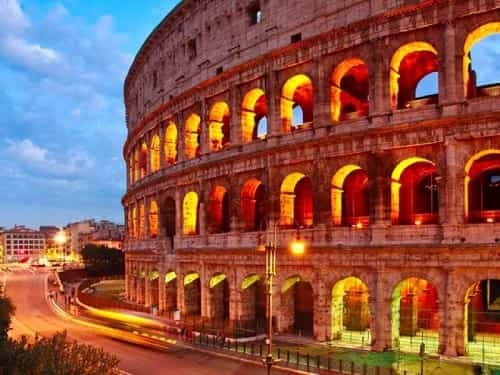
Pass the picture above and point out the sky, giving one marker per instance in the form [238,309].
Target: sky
[62,127]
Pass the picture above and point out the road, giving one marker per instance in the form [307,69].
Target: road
[33,315]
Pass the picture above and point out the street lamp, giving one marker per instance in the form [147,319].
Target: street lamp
[297,247]
[60,240]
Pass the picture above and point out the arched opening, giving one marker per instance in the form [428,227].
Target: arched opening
[481,78]
[482,188]
[219,212]
[154,278]
[133,223]
[218,126]
[137,170]
[415,316]
[351,312]
[142,220]
[296,102]
[155,154]
[168,215]
[141,288]
[131,169]
[297,306]
[350,90]
[253,309]
[144,160]
[296,201]
[253,205]
[192,294]
[192,136]
[409,65]
[170,292]
[190,214]
[253,116]
[350,197]
[414,192]
[171,144]
[153,219]
[482,320]
[219,298]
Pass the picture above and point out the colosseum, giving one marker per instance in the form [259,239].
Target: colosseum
[252,118]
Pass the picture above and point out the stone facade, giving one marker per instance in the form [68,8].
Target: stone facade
[451,134]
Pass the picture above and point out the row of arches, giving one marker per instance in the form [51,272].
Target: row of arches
[413,82]
[414,200]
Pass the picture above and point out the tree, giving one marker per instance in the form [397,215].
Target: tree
[6,310]
[103,261]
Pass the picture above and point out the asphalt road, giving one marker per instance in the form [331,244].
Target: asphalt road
[34,316]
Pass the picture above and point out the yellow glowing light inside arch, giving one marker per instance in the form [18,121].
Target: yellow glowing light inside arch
[289,283]
[155,153]
[191,134]
[287,198]
[189,278]
[248,113]
[170,144]
[170,276]
[287,94]
[337,190]
[476,35]
[398,56]
[190,213]
[216,280]
[339,73]
[144,159]
[154,275]
[153,219]
[249,281]
[215,127]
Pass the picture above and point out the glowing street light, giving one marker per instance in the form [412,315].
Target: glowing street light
[60,238]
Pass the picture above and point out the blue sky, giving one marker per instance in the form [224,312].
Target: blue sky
[62,67]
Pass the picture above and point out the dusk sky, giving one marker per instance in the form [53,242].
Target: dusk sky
[62,67]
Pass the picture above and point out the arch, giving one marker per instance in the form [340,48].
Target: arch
[349,90]
[155,154]
[253,205]
[168,213]
[350,311]
[414,192]
[253,310]
[170,292]
[142,221]
[219,210]
[297,306]
[349,196]
[253,110]
[296,201]
[192,294]
[483,31]
[409,64]
[219,297]
[296,92]
[144,160]
[154,278]
[170,144]
[133,223]
[190,214]
[482,186]
[218,126]
[153,219]
[137,169]
[131,168]
[192,136]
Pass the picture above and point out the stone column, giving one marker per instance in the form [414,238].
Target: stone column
[205,293]
[204,137]
[451,91]
[161,293]
[321,196]
[147,280]
[379,85]
[181,134]
[321,109]
[147,139]
[180,291]
[202,214]
[322,304]
[179,200]
[146,217]
[273,96]
[161,135]
[452,331]
[235,108]
[381,314]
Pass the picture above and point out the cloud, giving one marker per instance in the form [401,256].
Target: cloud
[12,16]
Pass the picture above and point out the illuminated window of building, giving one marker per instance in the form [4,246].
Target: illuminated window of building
[153,219]
[142,227]
[296,102]
[218,127]
[349,197]
[190,214]
[409,65]
[414,192]
[171,144]
[192,136]
[349,90]
[479,45]
[219,214]
[144,160]
[155,154]
[253,112]
[296,201]
[253,205]
[482,188]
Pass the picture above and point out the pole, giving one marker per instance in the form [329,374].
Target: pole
[270,272]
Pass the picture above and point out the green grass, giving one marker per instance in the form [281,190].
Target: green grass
[109,289]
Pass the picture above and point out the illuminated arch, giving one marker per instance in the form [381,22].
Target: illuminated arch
[170,144]
[475,167]
[192,293]
[155,154]
[142,227]
[296,203]
[192,136]
[253,109]
[297,305]
[170,276]
[396,184]
[218,126]
[297,91]
[190,214]
[409,64]
[249,281]
[144,160]
[153,219]
[137,171]
[253,207]
[474,37]
[133,224]
[349,89]
[131,168]
[219,214]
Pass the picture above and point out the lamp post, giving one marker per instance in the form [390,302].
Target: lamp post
[60,240]
[297,247]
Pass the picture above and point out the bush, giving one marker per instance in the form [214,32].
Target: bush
[103,261]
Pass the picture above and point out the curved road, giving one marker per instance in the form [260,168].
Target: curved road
[33,315]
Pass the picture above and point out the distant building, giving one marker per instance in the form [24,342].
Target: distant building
[21,243]
[49,231]
[101,233]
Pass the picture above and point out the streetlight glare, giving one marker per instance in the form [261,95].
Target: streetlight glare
[60,238]
[297,247]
